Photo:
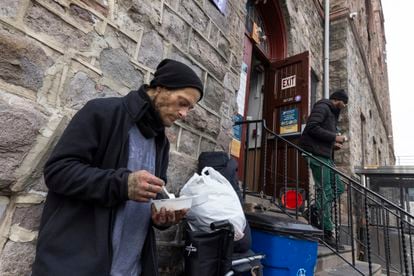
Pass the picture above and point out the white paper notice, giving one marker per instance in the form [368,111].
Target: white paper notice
[241,94]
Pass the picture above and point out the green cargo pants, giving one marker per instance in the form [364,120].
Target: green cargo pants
[324,180]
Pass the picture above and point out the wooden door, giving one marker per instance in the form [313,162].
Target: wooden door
[285,111]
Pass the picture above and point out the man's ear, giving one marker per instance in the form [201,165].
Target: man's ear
[157,90]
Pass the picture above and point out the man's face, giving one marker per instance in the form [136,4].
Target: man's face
[339,104]
[173,105]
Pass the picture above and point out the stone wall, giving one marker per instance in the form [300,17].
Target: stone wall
[363,72]
[358,62]
[348,71]
[58,54]
[305,33]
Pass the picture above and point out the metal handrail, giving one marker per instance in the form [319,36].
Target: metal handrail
[389,212]
[263,121]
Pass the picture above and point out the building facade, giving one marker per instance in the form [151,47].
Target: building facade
[58,54]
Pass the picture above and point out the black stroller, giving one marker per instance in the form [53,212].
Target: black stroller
[215,253]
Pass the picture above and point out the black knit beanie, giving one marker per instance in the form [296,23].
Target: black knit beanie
[173,74]
[339,95]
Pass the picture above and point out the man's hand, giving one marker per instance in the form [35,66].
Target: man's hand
[338,146]
[167,218]
[340,139]
[142,186]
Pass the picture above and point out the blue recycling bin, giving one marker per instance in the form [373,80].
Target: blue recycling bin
[291,247]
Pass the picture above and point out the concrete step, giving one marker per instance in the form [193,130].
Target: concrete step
[328,259]
[347,270]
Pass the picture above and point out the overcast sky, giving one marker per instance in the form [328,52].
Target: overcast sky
[399,31]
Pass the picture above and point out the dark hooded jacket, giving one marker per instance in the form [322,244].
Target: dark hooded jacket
[319,134]
[87,179]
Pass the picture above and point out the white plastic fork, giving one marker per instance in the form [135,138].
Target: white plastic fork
[167,193]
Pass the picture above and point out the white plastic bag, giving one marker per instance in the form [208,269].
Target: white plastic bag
[222,202]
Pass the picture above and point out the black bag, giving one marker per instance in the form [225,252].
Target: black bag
[208,253]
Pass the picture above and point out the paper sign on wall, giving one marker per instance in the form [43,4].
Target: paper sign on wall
[237,129]
[235,148]
[289,121]
[241,93]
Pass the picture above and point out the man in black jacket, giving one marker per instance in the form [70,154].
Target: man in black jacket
[320,138]
[109,163]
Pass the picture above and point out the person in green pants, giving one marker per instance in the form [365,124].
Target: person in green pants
[320,138]
[322,174]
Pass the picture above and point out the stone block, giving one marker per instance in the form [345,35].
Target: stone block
[214,32]
[82,88]
[227,123]
[180,169]
[124,22]
[116,39]
[98,5]
[177,55]
[152,49]
[188,143]
[206,145]
[172,3]
[4,203]
[59,6]
[236,27]
[116,66]
[17,258]
[9,8]
[38,185]
[194,15]
[231,81]
[172,135]
[85,16]
[28,216]
[223,141]
[41,20]
[213,94]
[20,121]
[174,28]
[204,121]
[225,109]
[223,46]
[23,62]
[203,52]
[143,12]
[218,18]
[236,63]
[200,2]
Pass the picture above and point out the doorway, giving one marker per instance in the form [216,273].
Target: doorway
[277,91]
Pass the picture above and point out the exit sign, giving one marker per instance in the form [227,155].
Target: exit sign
[289,82]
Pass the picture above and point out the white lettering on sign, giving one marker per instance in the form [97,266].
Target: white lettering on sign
[289,82]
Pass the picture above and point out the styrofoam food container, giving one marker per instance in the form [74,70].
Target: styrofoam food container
[174,204]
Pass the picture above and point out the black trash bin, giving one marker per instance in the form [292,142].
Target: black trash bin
[290,246]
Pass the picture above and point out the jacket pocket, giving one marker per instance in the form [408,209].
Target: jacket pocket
[46,228]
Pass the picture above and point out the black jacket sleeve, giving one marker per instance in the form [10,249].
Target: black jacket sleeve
[70,170]
[314,124]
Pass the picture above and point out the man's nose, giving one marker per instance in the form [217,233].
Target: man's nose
[183,112]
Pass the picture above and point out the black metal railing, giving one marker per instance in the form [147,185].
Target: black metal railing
[375,229]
